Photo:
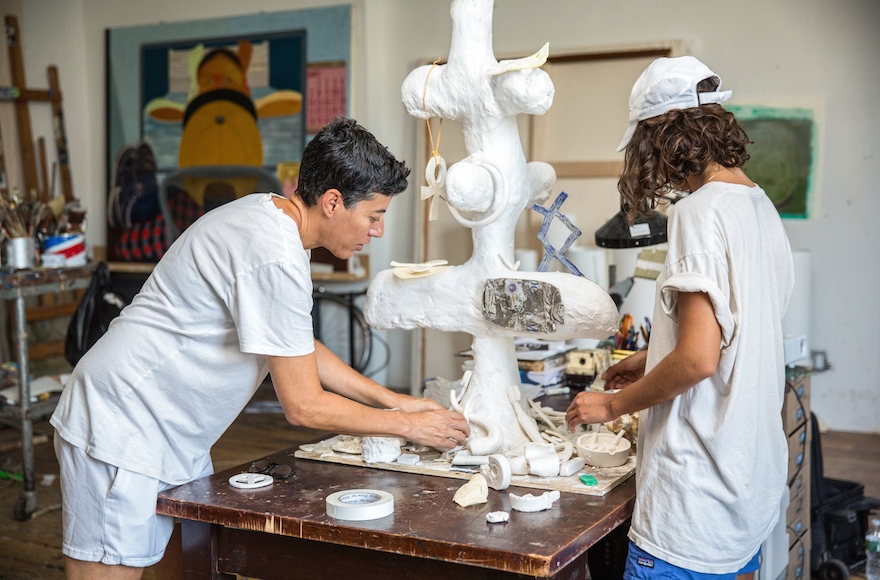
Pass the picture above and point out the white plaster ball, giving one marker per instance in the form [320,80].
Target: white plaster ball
[469,187]
[527,91]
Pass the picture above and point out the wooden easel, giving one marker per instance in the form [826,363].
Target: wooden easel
[39,190]
[22,96]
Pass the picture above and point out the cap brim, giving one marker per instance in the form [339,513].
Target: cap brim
[627,136]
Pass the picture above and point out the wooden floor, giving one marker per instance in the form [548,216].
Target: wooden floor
[32,550]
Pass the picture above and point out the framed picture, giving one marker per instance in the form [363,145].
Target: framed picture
[783,155]
[216,93]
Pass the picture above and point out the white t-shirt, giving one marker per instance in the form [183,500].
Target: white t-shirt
[712,461]
[179,364]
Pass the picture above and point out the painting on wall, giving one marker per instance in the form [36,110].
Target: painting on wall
[782,156]
[214,108]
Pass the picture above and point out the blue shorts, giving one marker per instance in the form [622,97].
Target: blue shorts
[641,565]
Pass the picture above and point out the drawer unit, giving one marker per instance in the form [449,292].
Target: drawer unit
[797,517]
[798,447]
[799,559]
[797,425]
[796,404]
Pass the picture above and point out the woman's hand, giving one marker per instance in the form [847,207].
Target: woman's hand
[410,404]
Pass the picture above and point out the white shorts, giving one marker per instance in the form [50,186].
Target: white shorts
[109,513]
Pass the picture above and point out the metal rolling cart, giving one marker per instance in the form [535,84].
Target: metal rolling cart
[18,286]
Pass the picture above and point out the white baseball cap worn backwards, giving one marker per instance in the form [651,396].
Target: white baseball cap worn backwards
[669,83]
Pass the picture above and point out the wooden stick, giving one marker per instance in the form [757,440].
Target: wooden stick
[22,114]
[44,171]
[60,134]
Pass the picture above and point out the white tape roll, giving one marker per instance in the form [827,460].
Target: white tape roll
[499,472]
[360,504]
[250,480]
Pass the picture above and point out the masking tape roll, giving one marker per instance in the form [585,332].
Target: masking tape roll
[250,480]
[360,504]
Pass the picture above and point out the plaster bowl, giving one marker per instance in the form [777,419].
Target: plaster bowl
[602,458]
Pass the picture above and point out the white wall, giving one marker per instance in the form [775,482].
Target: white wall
[818,53]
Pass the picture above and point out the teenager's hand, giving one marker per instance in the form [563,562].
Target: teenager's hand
[588,408]
[626,372]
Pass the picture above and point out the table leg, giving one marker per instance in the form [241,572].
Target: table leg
[200,551]
[27,503]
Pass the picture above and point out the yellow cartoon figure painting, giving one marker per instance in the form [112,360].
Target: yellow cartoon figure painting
[220,120]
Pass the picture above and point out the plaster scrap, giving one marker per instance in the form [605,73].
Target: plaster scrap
[408,459]
[532,503]
[571,466]
[497,517]
[475,491]
[542,459]
[351,445]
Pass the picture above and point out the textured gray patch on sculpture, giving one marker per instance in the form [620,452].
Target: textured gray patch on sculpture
[525,305]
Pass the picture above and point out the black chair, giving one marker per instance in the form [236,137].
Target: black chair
[839,519]
[180,211]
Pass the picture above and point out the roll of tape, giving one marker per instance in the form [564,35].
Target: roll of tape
[250,480]
[360,504]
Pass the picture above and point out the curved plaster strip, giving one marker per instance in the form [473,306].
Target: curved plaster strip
[491,442]
[531,503]
[500,206]
[564,448]
[527,423]
[550,424]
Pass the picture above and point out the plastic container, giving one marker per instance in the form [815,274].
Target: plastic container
[872,550]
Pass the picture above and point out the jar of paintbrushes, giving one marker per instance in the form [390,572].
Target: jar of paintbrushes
[20,220]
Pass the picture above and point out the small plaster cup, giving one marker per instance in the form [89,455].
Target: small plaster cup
[592,454]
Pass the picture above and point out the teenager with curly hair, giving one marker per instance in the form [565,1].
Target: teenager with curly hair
[711,447]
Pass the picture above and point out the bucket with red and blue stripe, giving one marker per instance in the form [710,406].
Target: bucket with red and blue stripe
[71,248]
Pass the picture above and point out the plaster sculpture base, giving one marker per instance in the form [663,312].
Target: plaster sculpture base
[607,477]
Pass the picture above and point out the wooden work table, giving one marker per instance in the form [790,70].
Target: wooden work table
[282,531]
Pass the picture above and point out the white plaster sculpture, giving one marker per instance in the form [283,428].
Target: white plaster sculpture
[475,491]
[380,449]
[496,184]
[533,503]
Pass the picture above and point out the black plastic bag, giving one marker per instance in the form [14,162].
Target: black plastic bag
[99,305]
